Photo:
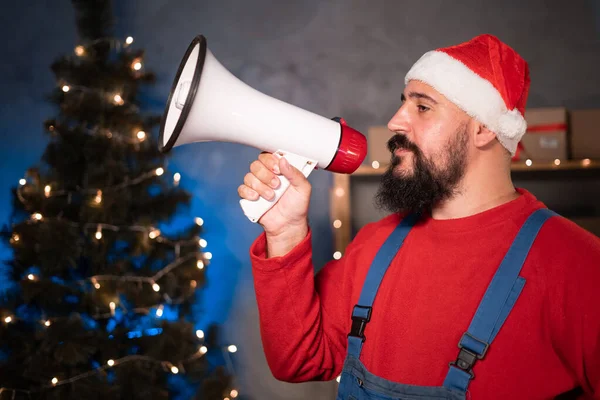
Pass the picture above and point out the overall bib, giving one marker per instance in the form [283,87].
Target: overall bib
[357,383]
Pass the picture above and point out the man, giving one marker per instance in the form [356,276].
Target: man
[464,259]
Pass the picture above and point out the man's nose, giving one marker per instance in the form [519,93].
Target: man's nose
[400,121]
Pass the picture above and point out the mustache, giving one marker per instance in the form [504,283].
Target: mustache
[400,141]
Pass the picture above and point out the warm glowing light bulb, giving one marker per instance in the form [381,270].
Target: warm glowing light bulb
[337,255]
[159,171]
[528,162]
[232,348]
[47,323]
[137,65]
[98,198]
[66,88]
[586,162]
[339,192]
[99,233]
[203,243]
[129,40]
[22,181]
[37,216]
[200,264]
[54,381]
[203,350]
[174,369]
[97,285]
[234,393]
[47,190]
[199,221]
[156,287]
[8,319]
[375,164]
[110,363]
[159,311]
[208,255]
[176,178]
[112,306]
[141,135]
[80,50]
[31,277]
[337,223]
[118,99]
[200,334]
[154,234]
[557,162]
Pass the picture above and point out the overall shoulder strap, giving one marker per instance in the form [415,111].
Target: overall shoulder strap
[361,313]
[497,302]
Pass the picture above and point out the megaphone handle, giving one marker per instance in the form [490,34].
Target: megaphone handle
[254,209]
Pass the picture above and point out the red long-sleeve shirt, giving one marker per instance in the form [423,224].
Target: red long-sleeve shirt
[549,343]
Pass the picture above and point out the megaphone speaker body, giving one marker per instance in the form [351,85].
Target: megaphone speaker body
[208,103]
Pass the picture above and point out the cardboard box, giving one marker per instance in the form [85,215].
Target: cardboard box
[585,134]
[377,138]
[546,137]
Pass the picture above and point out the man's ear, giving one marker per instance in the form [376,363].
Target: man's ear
[481,135]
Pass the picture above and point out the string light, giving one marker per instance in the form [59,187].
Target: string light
[110,363]
[66,88]
[337,255]
[337,224]
[375,164]
[31,277]
[200,264]
[95,283]
[137,65]
[113,307]
[15,237]
[8,319]
[203,243]
[199,221]
[47,322]
[176,178]
[586,162]
[118,100]
[79,50]
[98,198]
[174,369]
[557,162]
[99,232]
[232,348]
[47,190]
[234,393]
[203,350]
[193,283]
[129,40]
[156,287]
[159,311]
[54,381]
[154,234]
[339,192]
[208,255]
[141,135]
[200,334]
[159,171]
[528,162]
[22,181]
[37,216]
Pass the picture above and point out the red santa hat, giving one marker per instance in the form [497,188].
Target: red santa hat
[485,78]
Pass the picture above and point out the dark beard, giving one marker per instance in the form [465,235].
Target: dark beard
[427,185]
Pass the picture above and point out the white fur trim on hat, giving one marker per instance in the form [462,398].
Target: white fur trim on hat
[472,93]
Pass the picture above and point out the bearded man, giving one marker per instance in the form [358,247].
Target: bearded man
[470,287]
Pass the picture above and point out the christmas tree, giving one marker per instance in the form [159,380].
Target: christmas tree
[101,300]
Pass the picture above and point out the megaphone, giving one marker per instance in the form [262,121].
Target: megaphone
[208,103]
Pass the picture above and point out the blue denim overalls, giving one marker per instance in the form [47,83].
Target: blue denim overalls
[359,384]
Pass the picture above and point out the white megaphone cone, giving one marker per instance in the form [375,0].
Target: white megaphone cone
[208,103]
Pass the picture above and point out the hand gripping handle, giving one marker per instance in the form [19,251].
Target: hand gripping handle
[254,209]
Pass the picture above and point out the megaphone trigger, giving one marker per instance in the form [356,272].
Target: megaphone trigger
[255,209]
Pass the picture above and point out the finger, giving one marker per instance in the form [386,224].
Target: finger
[270,161]
[293,174]
[247,193]
[254,183]
[261,171]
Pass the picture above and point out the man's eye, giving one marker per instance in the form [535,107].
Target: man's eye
[422,108]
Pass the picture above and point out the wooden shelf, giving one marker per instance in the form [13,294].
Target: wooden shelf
[367,170]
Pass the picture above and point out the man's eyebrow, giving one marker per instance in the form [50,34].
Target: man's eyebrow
[418,95]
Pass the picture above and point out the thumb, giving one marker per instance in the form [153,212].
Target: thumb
[293,174]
